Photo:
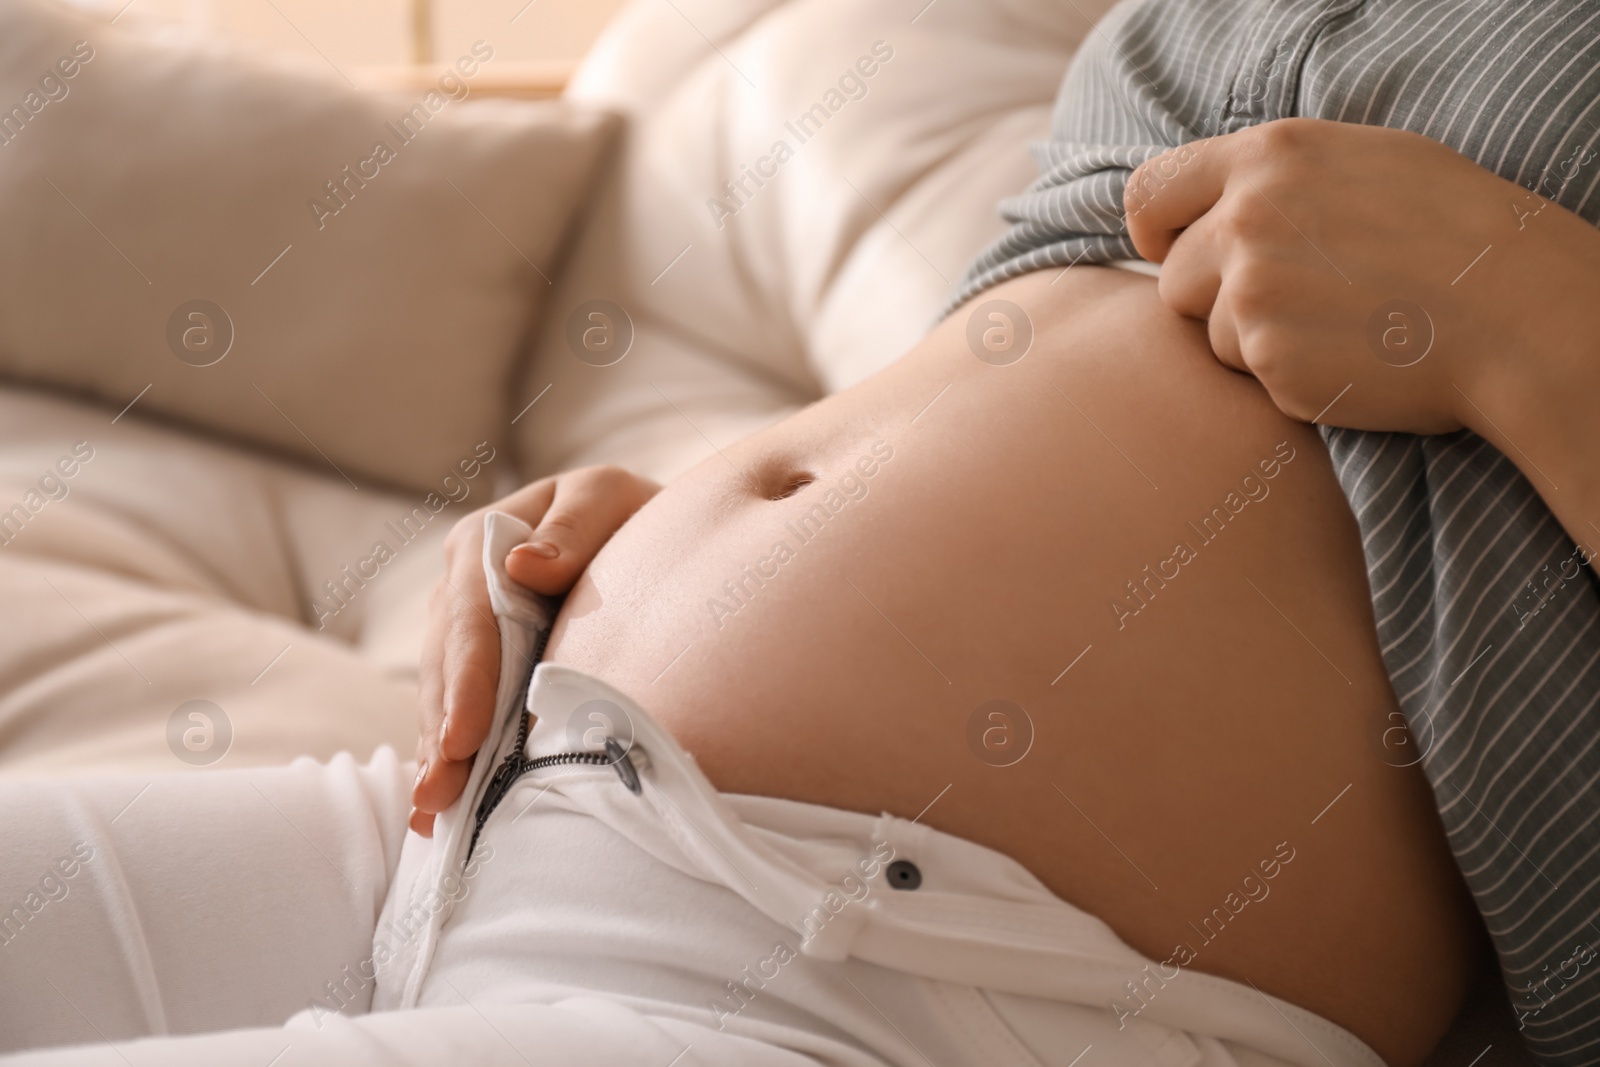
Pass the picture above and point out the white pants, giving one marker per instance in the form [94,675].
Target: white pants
[283,917]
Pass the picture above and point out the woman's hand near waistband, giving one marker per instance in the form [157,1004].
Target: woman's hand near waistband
[573,515]
[1376,279]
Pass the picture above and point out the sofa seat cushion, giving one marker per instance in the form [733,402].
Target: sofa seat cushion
[95,669]
[143,566]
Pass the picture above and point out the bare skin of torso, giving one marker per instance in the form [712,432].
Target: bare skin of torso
[977,525]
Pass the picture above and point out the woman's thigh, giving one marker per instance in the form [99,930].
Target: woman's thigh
[136,906]
[1153,569]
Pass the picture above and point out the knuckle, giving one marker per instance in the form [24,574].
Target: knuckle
[1282,136]
[1247,307]
[562,521]
[1224,342]
[1243,220]
[607,477]
[459,532]
[1143,186]
[1136,177]
[1261,360]
[1268,358]
[1251,289]
[1179,295]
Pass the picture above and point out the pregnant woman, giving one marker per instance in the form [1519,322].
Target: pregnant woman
[1025,703]
[812,631]
[823,617]
[1371,279]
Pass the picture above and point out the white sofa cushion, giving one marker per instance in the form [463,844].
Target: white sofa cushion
[154,568]
[835,262]
[166,202]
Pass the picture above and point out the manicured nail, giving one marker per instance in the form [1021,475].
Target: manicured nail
[542,548]
[422,772]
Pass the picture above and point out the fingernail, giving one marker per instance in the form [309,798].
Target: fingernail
[541,548]
[422,772]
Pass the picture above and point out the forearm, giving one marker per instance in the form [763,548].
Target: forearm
[1536,400]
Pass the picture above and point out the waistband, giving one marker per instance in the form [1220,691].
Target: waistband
[949,910]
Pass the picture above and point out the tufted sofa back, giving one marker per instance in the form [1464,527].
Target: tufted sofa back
[802,183]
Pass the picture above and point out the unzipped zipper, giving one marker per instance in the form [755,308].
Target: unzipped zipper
[515,764]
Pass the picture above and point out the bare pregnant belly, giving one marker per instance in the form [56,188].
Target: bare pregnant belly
[1101,609]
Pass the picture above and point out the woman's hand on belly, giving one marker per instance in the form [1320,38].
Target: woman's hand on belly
[1375,279]
[574,514]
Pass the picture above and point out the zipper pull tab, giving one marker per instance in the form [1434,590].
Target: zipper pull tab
[500,784]
[618,757]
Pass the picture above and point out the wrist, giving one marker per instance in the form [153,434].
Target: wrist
[1532,379]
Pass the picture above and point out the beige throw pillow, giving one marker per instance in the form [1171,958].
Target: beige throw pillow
[255,247]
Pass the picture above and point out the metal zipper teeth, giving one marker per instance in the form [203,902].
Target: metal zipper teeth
[515,764]
[558,758]
[504,776]
[511,771]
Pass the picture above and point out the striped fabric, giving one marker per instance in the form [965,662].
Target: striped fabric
[1487,612]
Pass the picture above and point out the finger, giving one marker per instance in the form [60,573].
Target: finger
[1192,274]
[460,660]
[588,507]
[422,822]
[530,502]
[1168,193]
[430,682]
[441,785]
[1223,330]
[471,665]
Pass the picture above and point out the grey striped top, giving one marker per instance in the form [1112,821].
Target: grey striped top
[1487,612]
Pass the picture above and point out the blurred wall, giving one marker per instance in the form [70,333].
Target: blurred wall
[360,33]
